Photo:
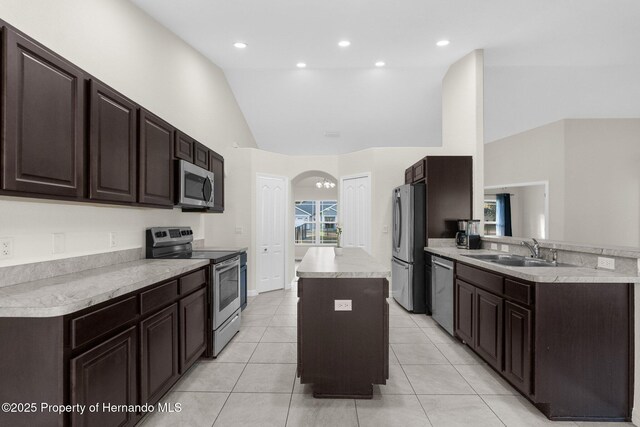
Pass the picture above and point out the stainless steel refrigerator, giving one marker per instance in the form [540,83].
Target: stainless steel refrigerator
[408,285]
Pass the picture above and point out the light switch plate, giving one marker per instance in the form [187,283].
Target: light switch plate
[494,246]
[385,229]
[342,305]
[504,248]
[238,230]
[608,263]
[113,241]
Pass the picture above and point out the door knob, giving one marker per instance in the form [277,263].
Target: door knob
[265,249]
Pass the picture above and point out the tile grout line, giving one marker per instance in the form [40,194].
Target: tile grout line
[412,388]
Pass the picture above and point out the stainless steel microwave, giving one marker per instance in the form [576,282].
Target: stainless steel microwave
[195,186]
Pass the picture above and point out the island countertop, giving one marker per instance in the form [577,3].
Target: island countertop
[321,262]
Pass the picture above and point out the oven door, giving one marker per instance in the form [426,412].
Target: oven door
[196,185]
[226,290]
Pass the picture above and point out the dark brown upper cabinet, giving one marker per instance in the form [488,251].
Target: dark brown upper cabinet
[418,170]
[184,147]
[44,126]
[216,165]
[201,156]
[112,145]
[408,175]
[155,182]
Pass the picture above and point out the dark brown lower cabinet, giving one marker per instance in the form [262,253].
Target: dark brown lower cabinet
[517,346]
[567,347]
[158,353]
[488,320]
[464,311]
[193,334]
[106,373]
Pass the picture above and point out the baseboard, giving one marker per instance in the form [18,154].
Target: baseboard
[252,293]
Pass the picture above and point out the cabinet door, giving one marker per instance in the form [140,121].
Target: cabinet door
[517,346]
[156,161]
[112,145]
[43,107]
[488,336]
[464,324]
[201,156]
[106,374]
[158,354]
[418,171]
[408,175]
[184,147]
[193,328]
[216,165]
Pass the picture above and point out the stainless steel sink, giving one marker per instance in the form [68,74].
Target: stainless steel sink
[515,260]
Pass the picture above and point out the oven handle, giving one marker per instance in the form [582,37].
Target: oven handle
[221,266]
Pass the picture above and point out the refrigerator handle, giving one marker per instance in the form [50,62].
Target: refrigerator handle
[398,231]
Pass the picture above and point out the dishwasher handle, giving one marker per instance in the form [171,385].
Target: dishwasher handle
[448,267]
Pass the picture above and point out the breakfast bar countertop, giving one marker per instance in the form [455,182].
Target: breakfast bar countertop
[560,274]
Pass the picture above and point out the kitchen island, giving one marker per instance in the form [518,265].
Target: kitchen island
[343,322]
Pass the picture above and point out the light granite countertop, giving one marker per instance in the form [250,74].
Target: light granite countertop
[60,295]
[321,262]
[220,248]
[561,274]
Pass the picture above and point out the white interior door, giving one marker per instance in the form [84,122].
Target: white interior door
[355,211]
[271,193]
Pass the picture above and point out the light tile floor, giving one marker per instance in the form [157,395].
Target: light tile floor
[434,381]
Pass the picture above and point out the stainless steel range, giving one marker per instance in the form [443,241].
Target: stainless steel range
[224,278]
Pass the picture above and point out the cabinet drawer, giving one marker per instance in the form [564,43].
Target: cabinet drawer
[97,323]
[518,291]
[192,281]
[489,281]
[158,296]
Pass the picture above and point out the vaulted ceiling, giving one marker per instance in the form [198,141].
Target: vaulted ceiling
[342,102]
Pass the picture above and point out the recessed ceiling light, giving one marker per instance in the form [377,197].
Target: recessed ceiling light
[301,65]
[380,64]
[240,45]
[442,43]
[344,43]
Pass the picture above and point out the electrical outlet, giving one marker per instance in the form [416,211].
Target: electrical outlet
[504,248]
[608,263]
[6,248]
[494,246]
[58,243]
[385,228]
[112,240]
[239,230]
[342,305]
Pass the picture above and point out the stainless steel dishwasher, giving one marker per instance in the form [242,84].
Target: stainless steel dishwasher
[442,292]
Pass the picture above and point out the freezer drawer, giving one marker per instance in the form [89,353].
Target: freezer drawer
[402,283]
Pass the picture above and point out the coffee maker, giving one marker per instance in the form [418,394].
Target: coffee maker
[461,235]
[473,234]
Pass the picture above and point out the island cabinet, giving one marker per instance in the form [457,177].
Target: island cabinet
[564,346]
[126,351]
[343,324]
[43,120]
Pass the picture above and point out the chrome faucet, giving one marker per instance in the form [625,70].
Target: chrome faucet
[535,248]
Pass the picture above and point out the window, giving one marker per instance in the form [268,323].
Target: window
[316,222]
[490,217]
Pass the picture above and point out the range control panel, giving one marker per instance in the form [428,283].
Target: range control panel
[168,236]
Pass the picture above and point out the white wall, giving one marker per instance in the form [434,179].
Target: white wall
[463,116]
[602,181]
[592,169]
[519,98]
[119,44]
[533,156]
